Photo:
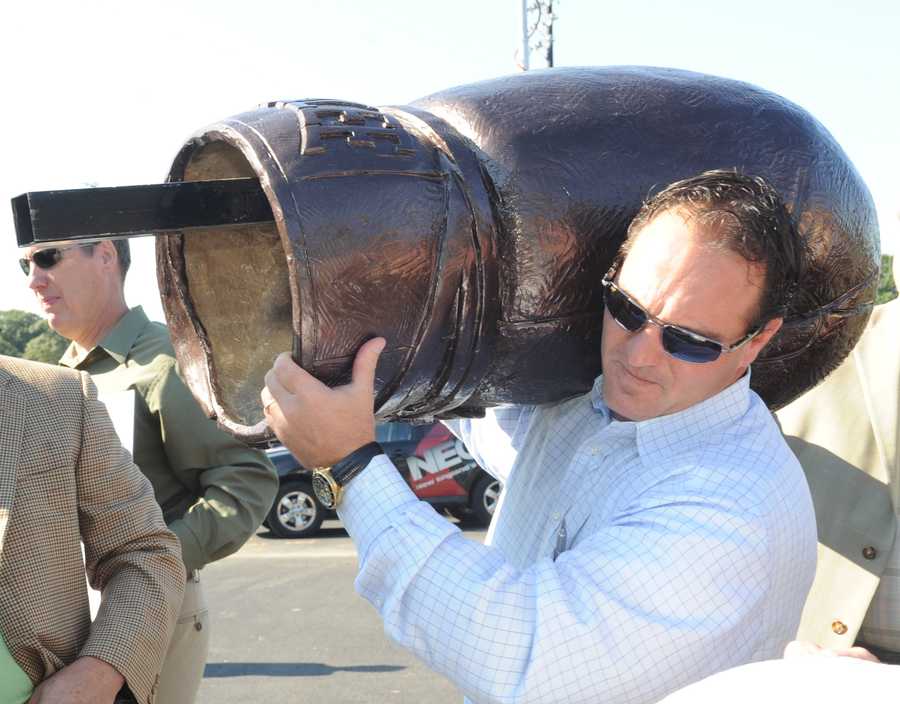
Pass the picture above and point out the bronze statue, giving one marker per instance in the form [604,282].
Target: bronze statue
[472,228]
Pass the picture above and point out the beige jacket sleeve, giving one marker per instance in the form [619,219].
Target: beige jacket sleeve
[131,555]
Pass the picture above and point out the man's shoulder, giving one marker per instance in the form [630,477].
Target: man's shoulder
[152,342]
[152,367]
[755,456]
[742,445]
[39,378]
[579,404]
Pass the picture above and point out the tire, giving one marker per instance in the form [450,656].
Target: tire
[296,512]
[484,500]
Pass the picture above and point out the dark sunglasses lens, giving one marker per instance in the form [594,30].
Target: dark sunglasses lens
[623,311]
[684,346]
[47,258]
[43,259]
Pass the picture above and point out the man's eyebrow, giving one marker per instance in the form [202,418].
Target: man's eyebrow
[701,329]
[698,329]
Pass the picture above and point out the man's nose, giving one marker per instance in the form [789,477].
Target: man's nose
[644,347]
[37,277]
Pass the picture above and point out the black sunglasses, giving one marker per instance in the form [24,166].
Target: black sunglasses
[680,343]
[45,258]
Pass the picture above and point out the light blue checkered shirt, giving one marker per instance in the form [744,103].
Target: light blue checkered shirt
[684,545]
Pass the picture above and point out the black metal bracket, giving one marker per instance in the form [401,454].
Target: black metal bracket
[93,214]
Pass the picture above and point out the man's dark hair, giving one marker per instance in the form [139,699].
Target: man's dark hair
[123,254]
[743,214]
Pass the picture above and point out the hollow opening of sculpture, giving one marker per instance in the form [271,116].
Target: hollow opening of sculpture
[237,282]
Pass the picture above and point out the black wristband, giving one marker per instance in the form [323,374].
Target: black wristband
[345,469]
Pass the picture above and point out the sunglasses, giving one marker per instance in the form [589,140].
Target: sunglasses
[680,343]
[45,258]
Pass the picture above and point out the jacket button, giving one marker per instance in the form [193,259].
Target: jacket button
[839,627]
[869,552]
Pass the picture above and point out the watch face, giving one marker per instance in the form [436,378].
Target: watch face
[323,490]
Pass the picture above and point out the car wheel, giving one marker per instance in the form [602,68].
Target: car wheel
[295,513]
[484,500]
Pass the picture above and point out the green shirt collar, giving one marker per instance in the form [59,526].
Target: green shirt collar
[117,343]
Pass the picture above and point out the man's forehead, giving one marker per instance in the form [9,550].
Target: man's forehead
[672,259]
[63,244]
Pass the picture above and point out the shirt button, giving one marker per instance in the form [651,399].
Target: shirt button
[556,516]
[869,552]
[839,627]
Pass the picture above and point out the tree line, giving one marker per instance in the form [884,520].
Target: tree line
[887,287]
[28,336]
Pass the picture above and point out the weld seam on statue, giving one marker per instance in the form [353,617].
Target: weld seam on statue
[816,317]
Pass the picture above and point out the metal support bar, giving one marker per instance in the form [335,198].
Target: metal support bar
[44,217]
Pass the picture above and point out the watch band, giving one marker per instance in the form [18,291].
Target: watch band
[328,482]
[345,469]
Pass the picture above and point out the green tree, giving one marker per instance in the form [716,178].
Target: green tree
[27,335]
[887,287]
[47,347]
[8,349]
[16,328]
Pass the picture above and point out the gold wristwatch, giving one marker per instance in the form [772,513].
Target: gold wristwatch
[328,482]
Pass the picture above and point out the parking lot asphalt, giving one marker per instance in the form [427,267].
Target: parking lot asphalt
[286,622]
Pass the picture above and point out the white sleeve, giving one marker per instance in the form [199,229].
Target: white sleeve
[493,440]
[666,593]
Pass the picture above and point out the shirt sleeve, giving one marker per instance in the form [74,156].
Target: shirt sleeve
[666,592]
[493,440]
[130,555]
[237,484]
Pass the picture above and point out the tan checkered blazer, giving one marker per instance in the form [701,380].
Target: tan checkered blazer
[64,479]
[845,433]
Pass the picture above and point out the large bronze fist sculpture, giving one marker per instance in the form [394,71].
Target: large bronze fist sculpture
[472,228]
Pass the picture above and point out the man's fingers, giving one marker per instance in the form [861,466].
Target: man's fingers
[365,363]
[267,398]
[291,376]
[860,653]
[799,648]
[273,390]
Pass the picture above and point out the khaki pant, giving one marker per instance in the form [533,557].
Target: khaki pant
[182,670]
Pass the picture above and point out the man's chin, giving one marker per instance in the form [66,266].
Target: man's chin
[57,323]
[623,406]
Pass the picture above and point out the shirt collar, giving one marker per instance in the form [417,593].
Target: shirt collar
[686,429]
[117,343]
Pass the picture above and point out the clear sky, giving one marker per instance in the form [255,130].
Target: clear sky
[105,93]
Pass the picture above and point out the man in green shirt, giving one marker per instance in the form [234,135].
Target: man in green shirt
[214,491]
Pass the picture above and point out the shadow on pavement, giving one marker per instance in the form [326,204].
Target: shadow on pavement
[336,532]
[287,669]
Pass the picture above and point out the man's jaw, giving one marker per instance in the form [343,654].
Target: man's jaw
[630,388]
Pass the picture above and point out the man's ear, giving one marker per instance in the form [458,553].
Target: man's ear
[756,345]
[107,252]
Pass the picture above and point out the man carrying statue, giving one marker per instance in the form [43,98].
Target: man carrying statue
[651,532]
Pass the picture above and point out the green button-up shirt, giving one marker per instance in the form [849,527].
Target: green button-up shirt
[214,490]
[15,687]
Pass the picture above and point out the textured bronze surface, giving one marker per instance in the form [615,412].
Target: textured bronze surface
[471,229]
